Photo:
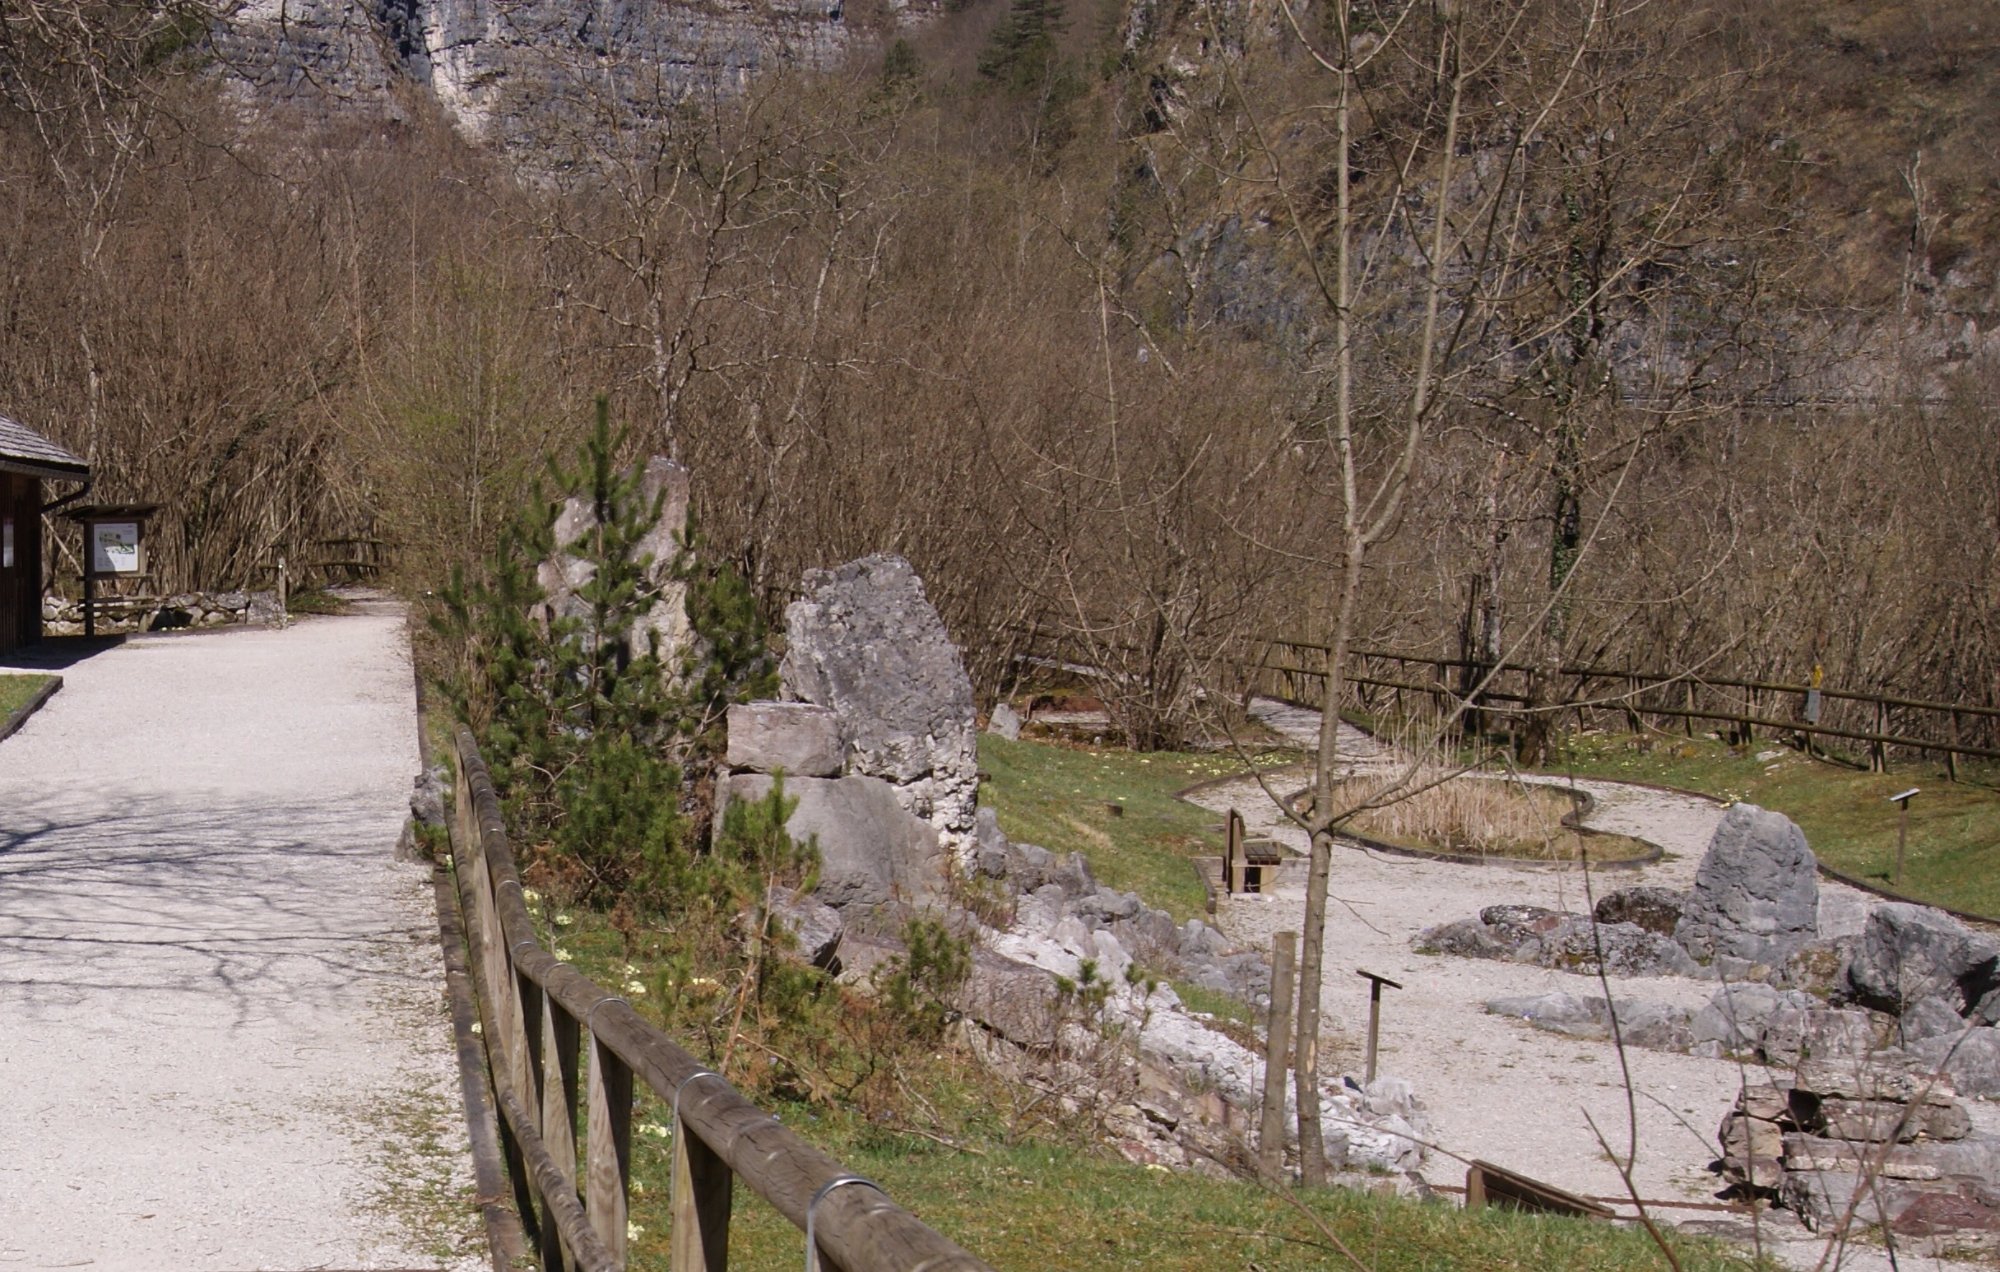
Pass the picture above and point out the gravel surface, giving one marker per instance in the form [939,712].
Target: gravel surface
[1499,1089]
[225,1041]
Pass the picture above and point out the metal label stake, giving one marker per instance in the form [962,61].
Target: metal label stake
[1375,984]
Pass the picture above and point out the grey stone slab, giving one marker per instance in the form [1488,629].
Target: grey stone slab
[797,738]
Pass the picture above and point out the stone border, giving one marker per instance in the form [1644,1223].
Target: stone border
[1586,804]
[13,723]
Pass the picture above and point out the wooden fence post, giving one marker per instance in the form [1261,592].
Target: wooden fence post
[1951,756]
[523,1027]
[609,1172]
[559,1093]
[1277,1057]
[702,1193]
[1878,751]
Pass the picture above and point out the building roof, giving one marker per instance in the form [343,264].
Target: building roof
[22,450]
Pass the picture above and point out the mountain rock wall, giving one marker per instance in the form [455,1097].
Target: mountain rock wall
[495,66]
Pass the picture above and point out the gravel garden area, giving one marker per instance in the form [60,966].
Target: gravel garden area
[1553,1107]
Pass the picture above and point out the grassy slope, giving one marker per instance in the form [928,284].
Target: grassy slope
[1845,813]
[1015,1197]
[16,690]
[1023,1202]
[1056,796]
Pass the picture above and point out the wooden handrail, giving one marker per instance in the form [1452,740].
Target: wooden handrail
[545,1016]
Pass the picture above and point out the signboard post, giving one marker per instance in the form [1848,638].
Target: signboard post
[114,547]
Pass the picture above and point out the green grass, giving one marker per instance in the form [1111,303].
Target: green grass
[1954,841]
[1058,796]
[16,690]
[1034,1207]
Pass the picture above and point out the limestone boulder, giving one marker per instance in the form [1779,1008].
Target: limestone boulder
[1639,1023]
[874,856]
[866,642]
[1756,893]
[1912,952]
[1755,1020]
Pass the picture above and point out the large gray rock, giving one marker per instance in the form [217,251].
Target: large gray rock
[866,642]
[1912,952]
[801,739]
[873,855]
[1756,892]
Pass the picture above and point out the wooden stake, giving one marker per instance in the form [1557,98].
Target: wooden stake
[1277,1056]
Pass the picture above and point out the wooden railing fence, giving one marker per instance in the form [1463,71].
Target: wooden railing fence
[543,1021]
[1294,669]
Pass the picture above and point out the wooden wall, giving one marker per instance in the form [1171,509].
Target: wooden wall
[21,582]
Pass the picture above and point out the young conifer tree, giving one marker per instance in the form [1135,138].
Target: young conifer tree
[578,712]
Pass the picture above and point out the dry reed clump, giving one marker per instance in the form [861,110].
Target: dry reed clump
[1438,810]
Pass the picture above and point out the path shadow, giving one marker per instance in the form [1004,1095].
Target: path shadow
[277,910]
[58,652]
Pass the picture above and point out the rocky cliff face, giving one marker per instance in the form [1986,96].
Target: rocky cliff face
[495,65]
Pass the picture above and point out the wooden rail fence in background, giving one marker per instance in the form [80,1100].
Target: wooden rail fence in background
[1294,669]
[543,1021]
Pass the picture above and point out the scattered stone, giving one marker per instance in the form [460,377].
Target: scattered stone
[1655,1026]
[1106,906]
[427,798]
[263,609]
[1912,952]
[1755,1021]
[1971,1061]
[1756,892]
[1651,908]
[866,642]
[1874,1138]
[814,927]
[1751,1137]
[1887,1076]
[1004,722]
[1558,939]
[797,738]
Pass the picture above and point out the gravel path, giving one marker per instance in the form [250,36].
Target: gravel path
[225,1043]
[1499,1089]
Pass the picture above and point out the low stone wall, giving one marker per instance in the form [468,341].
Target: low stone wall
[62,616]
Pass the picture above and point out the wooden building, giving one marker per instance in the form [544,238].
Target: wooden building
[28,463]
